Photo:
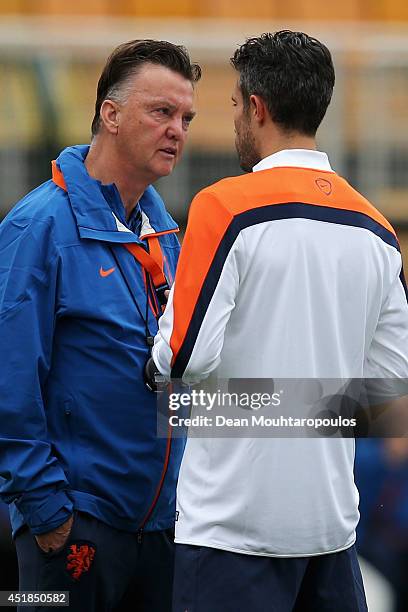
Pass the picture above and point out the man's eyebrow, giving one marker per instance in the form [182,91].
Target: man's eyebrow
[163,102]
[160,102]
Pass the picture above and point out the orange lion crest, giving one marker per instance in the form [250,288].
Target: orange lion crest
[80,559]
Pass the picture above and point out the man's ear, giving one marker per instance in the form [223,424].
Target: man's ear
[109,115]
[257,108]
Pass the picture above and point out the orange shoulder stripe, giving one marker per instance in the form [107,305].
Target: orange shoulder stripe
[281,185]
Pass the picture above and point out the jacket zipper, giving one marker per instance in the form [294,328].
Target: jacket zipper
[159,487]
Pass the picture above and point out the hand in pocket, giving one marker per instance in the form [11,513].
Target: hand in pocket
[55,539]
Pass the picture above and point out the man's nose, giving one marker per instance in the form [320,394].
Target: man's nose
[175,128]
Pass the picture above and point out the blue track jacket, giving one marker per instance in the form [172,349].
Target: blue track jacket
[77,425]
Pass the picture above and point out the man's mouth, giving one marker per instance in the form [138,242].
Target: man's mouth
[171,151]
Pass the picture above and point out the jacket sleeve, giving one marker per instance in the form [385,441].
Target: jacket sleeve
[30,475]
[191,331]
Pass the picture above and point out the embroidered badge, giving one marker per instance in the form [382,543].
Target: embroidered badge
[324,186]
[79,560]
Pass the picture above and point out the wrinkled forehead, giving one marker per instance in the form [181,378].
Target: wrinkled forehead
[159,82]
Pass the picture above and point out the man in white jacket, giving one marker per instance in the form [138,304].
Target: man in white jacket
[285,272]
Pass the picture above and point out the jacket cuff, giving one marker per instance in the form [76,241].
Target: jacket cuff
[48,515]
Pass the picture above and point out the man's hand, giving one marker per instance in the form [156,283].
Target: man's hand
[153,379]
[55,539]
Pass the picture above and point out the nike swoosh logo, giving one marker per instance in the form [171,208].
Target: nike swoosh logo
[104,273]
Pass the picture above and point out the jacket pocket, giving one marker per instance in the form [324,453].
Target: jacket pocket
[68,406]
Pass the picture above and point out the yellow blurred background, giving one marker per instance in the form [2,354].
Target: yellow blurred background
[52,52]
[364,10]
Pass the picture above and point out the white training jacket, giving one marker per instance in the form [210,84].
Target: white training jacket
[286,272]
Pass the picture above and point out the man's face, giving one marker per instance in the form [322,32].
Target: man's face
[154,121]
[244,138]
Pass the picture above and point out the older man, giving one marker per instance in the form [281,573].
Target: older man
[86,261]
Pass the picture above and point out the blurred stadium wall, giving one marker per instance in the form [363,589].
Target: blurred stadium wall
[52,53]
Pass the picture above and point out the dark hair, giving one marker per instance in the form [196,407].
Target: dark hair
[294,75]
[128,57]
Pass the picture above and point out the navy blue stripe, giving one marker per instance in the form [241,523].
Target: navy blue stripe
[404,284]
[274,212]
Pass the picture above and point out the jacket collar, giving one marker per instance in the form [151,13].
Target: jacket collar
[94,216]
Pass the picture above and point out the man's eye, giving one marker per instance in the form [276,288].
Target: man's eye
[163,111]
[187,121]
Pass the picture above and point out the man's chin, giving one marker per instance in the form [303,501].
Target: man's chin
[246,162]
[245,168]
[165,170]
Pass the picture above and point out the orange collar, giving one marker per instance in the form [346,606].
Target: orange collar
[57,176]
